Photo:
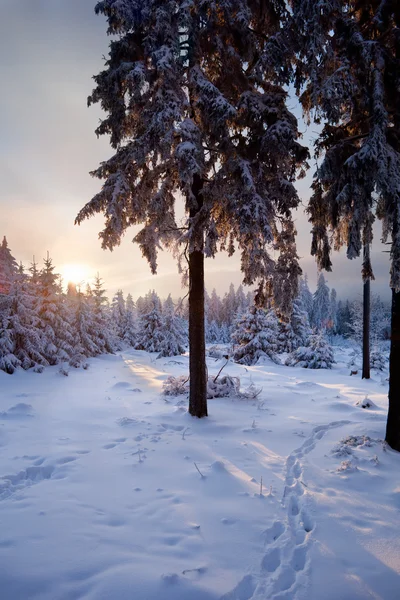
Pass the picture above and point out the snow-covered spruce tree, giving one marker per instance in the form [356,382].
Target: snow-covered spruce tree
[151,332]
[306,296]
[350,62]
[300,323]
[213,332]
[8,267]
[321,304]
[118,316]
[86,341]
[191,109]
[52,312]
[22,334]
[255,335]
[333,311]
[130,323]
[101,317]
[174,330]
[317,354]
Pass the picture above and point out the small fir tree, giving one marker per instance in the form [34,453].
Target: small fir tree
[318,354]
[255,336]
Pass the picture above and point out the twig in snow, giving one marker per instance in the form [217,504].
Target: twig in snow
[219,372]
[184,431]
[201,474]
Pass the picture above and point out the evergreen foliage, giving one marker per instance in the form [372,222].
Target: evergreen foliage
[255,334]
[317,354]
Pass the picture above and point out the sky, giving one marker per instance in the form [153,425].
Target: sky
[49,52]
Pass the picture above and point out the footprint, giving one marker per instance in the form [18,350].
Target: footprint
[307,521]
[285,580]
[83,451]
[39,462]
[298,561]
[109,446]
[120,440]
[271,560]
[294,505]
[296,470]
[274,532]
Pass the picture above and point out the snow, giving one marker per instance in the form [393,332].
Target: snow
[110,490]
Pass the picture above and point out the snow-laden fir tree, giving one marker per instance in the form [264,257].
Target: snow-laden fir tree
[300,323]
[8,267]
[349,67]
[129,332]
[151,331]
[191,108]
[306,296]
[213,332]
[174,330]
[321,304]
[22,336]
[85,335]
[317,354]
[333,311]
[101,317]
[50,307]
[255,336]
[118,315]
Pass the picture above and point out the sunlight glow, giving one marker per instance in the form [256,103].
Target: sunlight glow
[75,273]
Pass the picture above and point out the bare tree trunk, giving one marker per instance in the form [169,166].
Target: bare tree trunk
[197,343]
[393,420]
[366,322]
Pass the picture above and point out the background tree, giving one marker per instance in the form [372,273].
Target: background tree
[8,267]
[349,65]
[191,108]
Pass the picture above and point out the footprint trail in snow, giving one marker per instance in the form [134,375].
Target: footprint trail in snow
[285,567]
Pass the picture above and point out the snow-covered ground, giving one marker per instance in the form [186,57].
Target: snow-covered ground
[100,497]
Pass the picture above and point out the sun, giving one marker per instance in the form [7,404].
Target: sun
[74,273]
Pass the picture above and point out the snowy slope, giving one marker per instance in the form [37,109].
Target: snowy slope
[100,498]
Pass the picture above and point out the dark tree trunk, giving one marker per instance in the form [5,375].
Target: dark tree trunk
[197,343]
[366,322]
[393,420]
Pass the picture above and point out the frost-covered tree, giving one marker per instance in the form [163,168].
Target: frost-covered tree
[213,332]
[52,312]
[8,267]
[306,296]
[255,336]
[151,331]
[129,332]
[20,341]
[101,319]
[321,304]
[317,354]
[85,334]
[118,314]
[333,310]
[349,72]
[175,335]
[191,108]
[300,323]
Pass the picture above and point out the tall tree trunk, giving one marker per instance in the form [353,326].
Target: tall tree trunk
[366,321]
[393,420]
[197,343]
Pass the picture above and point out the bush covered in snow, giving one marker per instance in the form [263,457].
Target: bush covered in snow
[317,354]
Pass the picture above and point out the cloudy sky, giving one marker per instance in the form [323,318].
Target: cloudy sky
[49,51]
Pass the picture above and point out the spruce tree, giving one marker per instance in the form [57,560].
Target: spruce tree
[349,71]
[174,331]
[321,304]
[101,317]
[255,335]
[191,108]
[8,267]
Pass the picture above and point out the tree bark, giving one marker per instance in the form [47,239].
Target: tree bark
[366,322]
[393,420]
[197,343]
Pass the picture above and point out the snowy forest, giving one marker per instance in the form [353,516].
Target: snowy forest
[189,444]
[43,325]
